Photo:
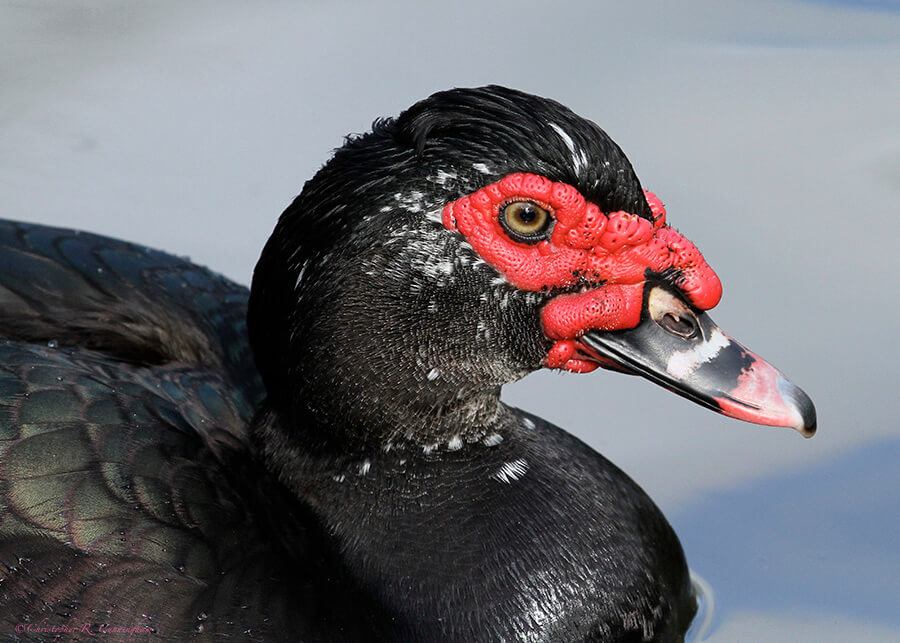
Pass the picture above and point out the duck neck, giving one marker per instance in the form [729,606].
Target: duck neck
[356,406]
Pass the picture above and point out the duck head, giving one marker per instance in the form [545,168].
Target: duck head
[481,235]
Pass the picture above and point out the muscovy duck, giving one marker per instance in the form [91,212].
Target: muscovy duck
[356,476]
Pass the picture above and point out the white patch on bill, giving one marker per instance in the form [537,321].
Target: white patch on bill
[683,363]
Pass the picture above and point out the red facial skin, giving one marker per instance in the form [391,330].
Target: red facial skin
[610,253]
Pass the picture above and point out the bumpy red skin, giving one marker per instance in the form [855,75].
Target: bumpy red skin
[610,252]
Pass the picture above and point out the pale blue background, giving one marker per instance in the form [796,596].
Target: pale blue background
[770,129]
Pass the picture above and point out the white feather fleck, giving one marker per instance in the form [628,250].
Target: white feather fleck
[436,215]
[413,202]
[300,274]
[364,467]
[455,443]
[529,423]
[433,374]
[492,440]
[579,158]
[442,177]
[481,167]
[511,471]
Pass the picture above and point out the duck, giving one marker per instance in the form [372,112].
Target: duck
[326,457]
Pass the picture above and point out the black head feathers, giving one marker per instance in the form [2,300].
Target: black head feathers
[511,131]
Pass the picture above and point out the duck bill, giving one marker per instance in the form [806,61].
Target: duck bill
[684,351]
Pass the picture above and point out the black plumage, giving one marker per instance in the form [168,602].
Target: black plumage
[374,487]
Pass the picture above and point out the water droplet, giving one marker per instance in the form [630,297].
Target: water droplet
[53,344]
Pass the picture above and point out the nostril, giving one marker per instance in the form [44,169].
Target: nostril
[683,326]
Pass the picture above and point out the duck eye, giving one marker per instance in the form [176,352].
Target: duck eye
[525,221]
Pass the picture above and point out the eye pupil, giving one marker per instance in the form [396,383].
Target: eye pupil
[527,214]
[525,221]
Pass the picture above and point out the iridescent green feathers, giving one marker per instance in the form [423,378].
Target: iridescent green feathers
[120,484]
